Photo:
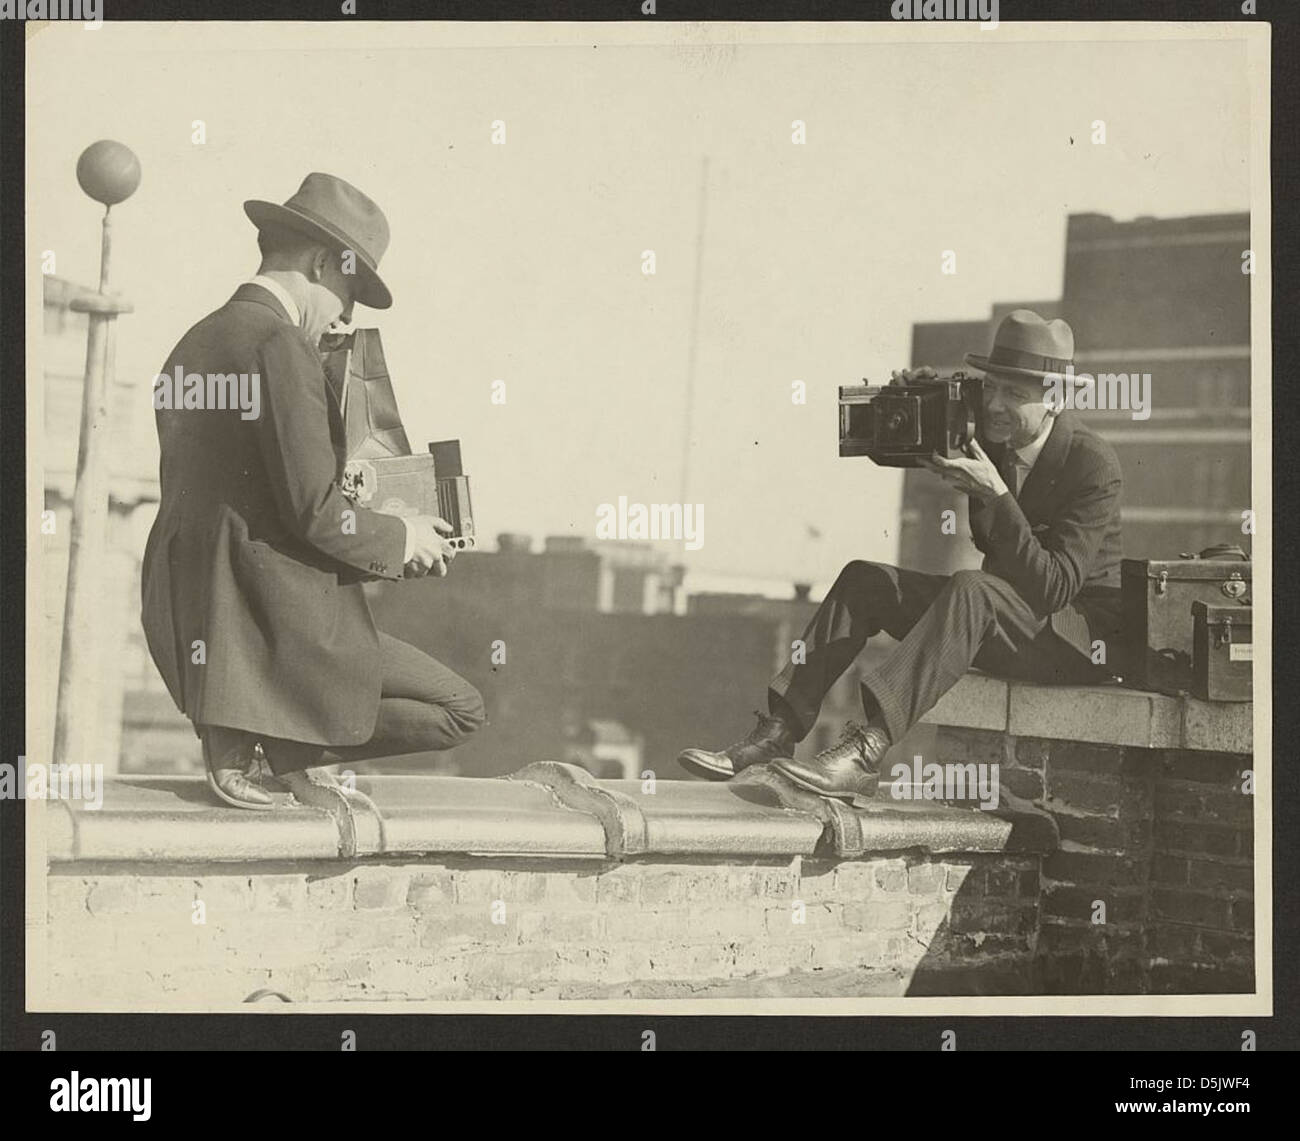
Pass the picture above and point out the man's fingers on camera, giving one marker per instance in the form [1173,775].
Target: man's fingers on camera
[435,524]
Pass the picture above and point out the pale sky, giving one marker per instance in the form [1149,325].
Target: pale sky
[522,262]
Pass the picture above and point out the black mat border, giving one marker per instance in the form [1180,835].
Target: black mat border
[293,1033]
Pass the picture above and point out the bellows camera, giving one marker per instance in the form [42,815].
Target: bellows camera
[380,471]
[897,425]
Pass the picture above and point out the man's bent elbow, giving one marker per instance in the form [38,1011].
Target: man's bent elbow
[1056,595]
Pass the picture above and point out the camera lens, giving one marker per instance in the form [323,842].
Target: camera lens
[896,424]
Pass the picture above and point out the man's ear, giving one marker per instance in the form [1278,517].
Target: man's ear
[319,259]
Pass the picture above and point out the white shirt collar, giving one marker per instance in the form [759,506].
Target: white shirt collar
[1027,456]
[282,295]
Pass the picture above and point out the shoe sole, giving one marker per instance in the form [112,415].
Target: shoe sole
[230,800]
[851,797]
[701,768]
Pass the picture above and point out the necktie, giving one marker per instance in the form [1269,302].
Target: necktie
[1011,471]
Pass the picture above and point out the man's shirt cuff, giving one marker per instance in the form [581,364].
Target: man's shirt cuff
[410,540]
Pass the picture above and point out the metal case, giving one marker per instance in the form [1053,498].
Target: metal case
[1223,654]
[1157,609]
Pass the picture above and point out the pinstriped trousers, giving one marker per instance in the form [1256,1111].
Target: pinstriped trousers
[944,625]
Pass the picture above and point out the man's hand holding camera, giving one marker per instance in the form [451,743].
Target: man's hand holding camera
[977,475]
[431,553]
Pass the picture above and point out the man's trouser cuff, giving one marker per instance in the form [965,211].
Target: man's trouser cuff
[291,756]
[876,695]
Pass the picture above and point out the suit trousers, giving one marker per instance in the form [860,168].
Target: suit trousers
[944,624]
[424,706]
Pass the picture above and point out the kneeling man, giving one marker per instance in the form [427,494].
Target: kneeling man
[252,579]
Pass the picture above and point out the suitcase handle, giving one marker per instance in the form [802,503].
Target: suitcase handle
[1219,551]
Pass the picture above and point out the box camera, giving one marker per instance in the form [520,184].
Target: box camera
[897,425]
[379,470]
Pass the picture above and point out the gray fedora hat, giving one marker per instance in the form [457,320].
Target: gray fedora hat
[1027,346]
[337,213]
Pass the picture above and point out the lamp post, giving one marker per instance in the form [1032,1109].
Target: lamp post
[109,173]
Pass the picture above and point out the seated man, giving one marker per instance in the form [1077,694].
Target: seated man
[252,580]
[1044,510]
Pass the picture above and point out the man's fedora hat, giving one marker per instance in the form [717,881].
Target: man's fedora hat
[1027,346]
[336,212]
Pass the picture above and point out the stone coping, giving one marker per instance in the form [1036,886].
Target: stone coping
[1099,714]
[545,810]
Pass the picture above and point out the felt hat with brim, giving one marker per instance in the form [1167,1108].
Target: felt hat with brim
[338,214]
[1026,347]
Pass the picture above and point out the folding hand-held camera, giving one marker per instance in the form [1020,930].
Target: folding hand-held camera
[897,425]
[379,471]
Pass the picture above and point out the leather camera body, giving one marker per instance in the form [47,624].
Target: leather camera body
[380,471]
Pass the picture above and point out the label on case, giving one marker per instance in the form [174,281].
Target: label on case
[1241,652]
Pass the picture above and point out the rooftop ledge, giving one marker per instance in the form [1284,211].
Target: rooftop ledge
[558,810]
[546,810]
[1100,714]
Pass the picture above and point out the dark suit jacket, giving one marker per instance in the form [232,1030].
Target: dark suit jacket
[252,553]
[1059,544]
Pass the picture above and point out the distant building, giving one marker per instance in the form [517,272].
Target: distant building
[1168,297]
[569,573]
[608,750]
[1161,296]
[599,667]
[565,679]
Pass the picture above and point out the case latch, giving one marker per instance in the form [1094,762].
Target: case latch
[1234,587]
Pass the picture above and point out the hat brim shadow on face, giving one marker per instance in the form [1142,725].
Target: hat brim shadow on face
[370,291]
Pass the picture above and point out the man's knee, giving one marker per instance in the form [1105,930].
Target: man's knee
[466,711]
[974,586]
[972,582]
[860,575]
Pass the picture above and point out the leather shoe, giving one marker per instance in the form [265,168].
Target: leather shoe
[262,775]
[228,760]
[848,770]
[769,739]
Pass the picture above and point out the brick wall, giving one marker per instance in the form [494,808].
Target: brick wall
[123,935]
[1162,838]
[1129,872]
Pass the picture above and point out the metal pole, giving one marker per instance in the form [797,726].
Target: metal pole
[75,716]
[695,330]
